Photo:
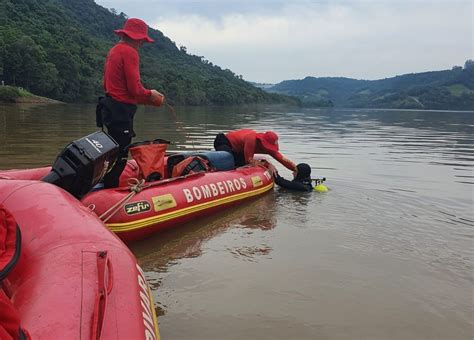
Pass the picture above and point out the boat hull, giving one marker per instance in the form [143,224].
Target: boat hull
[74,279]
[25,174]
[169,203]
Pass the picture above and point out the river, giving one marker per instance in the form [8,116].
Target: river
[387,253]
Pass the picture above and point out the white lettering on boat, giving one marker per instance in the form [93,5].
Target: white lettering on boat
[214,189]
[197,193]
[211,190]
[145,301]
[267,175]
[221,188]
[230,185]
[237,184]
[189,196]
[206,191]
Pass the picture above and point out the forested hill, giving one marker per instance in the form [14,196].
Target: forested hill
[445,90]
[57,48]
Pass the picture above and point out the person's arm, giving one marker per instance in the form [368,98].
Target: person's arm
[291,185]
[282,181]
[284,161]
[156,99]
[131,64]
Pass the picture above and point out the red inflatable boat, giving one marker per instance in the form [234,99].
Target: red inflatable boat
[163,204]
[136,210]
[74,279]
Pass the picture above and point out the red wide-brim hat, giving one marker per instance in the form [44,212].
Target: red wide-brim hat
[135,29]
[269,140]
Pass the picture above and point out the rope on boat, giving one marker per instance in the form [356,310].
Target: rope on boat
[135,186]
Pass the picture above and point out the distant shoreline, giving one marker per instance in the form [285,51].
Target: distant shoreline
[342,108]
[18,95]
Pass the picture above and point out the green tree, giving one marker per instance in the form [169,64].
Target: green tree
[57,48]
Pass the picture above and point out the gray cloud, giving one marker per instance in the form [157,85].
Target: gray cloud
[270,41]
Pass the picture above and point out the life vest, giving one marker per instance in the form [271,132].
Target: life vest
[150,158]
[190,165]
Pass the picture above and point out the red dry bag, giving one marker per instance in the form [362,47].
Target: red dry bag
[150,157]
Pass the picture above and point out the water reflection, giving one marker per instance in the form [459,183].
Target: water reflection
[159,253]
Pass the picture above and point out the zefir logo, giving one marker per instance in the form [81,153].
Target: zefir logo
[137,207]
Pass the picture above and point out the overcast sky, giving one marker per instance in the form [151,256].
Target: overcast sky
[272,40]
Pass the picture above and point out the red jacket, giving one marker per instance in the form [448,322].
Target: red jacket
[245,141]
[122,75]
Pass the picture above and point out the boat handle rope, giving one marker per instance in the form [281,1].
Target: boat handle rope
[135,186]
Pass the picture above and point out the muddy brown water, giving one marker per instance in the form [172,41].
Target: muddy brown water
[386,254]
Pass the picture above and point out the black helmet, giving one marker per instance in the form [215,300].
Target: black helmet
[304,172]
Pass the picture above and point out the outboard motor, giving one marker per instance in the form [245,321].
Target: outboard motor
[83,163]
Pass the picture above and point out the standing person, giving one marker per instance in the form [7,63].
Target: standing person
[245,143]
[124,91]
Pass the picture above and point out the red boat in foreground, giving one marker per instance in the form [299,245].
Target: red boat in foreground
[74,279]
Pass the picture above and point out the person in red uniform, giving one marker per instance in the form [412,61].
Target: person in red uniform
[245,143]
[124,91]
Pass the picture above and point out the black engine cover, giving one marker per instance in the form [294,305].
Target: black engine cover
[83,163]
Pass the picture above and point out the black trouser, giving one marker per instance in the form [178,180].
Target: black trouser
[123,138]
[118,118]
[221,143]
